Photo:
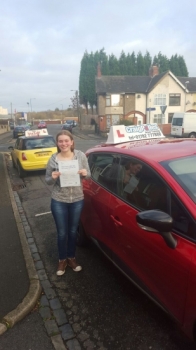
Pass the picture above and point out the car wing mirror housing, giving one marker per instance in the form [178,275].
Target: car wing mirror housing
[158,222]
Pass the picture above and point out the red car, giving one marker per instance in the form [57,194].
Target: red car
[42,125]
[140,209]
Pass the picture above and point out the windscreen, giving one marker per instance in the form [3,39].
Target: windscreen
[41,142]
[184,172]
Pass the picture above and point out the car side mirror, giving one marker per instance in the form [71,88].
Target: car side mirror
[11,147]
[158,222]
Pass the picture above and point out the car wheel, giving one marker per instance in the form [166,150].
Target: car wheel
[192,135]
[21,172]
[82,239]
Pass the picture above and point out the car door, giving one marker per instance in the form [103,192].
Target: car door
[158,270]
[16,151]
[98,193]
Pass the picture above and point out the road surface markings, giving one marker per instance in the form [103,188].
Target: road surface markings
[47,212]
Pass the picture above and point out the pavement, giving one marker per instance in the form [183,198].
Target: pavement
[24,285]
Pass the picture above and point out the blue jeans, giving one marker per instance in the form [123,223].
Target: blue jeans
[66,217]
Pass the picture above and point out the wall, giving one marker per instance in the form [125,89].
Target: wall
[129,103]
[167,86]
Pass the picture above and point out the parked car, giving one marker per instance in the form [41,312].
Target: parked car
[42,125]
[73,123]
[19,130]
[140,210]
[67,126]
[11,125]
[32,153]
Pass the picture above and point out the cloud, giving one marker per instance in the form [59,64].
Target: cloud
[42,42]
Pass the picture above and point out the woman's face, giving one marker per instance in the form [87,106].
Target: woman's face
[64,143]
[135,168]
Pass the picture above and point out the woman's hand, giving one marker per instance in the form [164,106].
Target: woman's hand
[55,174]
[82,172]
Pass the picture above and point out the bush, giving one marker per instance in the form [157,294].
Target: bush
[125,122]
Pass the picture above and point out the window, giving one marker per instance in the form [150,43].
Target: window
[104,170]
[170,116]
[108,97]
[159,118]
[112,100]
[160,99]
[140,186]
[182,223]
[177,121]
[174,99]
[184,172]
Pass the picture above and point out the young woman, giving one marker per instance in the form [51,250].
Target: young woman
[66,202]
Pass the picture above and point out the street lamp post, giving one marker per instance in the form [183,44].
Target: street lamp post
[62,112]
[77,104]
[28,111]
[186,83]
[31,102]
[31,106]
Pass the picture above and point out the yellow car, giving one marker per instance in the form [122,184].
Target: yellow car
[32,153]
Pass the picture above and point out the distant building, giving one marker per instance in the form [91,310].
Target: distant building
[3,111]
[141,99]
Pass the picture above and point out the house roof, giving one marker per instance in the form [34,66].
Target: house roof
[191,86]
[136,84]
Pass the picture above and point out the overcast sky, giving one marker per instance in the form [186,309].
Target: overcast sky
[43,42]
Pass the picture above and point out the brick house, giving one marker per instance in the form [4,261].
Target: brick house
[139,98]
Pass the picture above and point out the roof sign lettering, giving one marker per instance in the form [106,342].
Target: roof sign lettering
[122,133]
[37,132]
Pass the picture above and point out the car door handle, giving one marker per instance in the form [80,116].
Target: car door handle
[116,221]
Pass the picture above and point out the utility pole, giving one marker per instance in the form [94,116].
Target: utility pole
[77,101]
[11,109]
[77,104]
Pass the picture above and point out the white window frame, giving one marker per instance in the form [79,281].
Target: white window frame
[159,118]
[160,99]
[110,100]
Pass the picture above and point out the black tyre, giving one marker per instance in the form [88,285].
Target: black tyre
[192,135]
[82,239]
[21,172]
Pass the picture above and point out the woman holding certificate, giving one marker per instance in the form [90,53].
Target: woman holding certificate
[65,170]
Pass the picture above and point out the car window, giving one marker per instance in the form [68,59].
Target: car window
[184,171]
[104,170]
[20,145]
[40,143]
[140,186]
[17,143]
[182,223]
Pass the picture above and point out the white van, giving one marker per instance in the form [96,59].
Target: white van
[184,125]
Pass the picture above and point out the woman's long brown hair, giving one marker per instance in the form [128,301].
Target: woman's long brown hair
[67,133]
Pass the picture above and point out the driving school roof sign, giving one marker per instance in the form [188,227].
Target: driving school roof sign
[122,133]
[38,132]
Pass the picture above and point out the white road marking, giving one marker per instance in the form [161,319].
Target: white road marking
[47,212]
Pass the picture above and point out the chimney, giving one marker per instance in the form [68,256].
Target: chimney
[99,70]
[154,70]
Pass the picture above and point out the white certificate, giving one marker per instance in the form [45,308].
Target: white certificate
[132,184]
[69,173]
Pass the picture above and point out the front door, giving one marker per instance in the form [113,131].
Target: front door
[160,271]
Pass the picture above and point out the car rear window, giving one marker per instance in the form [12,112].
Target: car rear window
[41,142]
[177,121]
[19,128]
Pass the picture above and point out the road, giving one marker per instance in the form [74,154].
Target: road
[106,311]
